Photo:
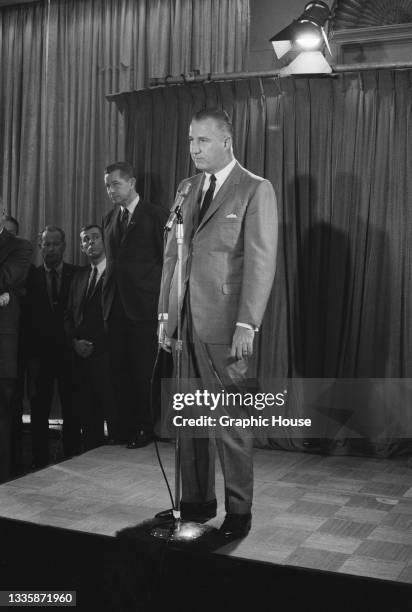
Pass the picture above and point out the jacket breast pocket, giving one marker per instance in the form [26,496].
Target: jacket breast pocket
[227,233]
[231,288]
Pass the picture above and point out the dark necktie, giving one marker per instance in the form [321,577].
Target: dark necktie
[207,200]
[54,289]
[124,222]
[92,284]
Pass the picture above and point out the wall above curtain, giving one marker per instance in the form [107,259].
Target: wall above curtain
[59,60]
[338,151]
[371,31]
[350,14]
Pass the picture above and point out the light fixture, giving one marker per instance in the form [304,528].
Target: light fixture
[305,36]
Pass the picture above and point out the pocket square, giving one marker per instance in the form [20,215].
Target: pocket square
[231,216]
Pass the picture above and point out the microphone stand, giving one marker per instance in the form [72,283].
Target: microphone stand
[177,530]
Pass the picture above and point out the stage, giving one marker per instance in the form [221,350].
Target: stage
[328,533]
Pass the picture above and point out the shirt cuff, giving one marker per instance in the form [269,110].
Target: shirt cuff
[248,326]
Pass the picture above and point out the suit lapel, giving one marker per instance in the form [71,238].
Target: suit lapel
[98,284]
[136,213]
[43,285]
[4,237]
[191,212]
[85,285]
[83,291]
[65,284]
[116,229]
[133,221]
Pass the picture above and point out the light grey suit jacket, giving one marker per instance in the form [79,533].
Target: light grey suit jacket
[229,260]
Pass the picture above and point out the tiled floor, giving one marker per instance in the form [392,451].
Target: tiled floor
[342,514]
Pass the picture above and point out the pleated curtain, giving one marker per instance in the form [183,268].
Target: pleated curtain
[58,61]
[338,152]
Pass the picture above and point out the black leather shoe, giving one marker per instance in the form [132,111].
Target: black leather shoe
[235,526]
[199,512]
[142,439]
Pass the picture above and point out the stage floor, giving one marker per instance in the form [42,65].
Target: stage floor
[347,515]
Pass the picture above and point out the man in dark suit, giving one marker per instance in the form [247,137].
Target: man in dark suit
[48,288]
[229,256]
[133,236]
[93,396]
[12,226]
[15,257]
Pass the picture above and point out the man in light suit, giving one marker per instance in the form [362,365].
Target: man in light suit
[133,237]
[229,256]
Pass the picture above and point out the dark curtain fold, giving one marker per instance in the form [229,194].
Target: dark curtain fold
[338,152]
[58,61]
[22,93]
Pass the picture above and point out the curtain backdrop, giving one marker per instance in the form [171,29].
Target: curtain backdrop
[58,61]
[338,152]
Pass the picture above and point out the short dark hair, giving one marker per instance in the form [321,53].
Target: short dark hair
[11,220]
[53,228]
[86,228]
[220,116]
[124,168]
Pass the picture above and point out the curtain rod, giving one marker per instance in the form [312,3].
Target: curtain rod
[228,76]
[156,82]
[371,66]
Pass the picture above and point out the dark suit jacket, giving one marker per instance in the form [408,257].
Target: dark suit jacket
[45,326]
[84,319]
[134,267]
[15,257]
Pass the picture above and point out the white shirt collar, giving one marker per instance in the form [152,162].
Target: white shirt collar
[101,266]
[59,268]
[221,176]
[130,207]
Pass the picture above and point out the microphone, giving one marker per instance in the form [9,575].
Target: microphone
[181,195]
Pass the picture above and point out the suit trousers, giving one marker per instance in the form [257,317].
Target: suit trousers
[17,415]
[93,397]
[132,350]
[56,365]
[6,394]
[216,371]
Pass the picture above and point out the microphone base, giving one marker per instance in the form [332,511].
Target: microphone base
[185,534]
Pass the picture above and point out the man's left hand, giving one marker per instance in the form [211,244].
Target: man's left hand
[242,343]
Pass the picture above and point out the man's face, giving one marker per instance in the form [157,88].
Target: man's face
[210,146]
[52,248]
[92,243]
[120,189]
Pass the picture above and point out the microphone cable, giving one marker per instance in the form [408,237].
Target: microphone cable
[159,459]
[152,382]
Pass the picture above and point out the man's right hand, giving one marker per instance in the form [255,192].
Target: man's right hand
[164,341]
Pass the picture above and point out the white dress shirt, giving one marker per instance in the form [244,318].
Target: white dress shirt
[221,176]
[131,207]
[101,267]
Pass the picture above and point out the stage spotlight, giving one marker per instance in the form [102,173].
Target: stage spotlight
[305,37]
